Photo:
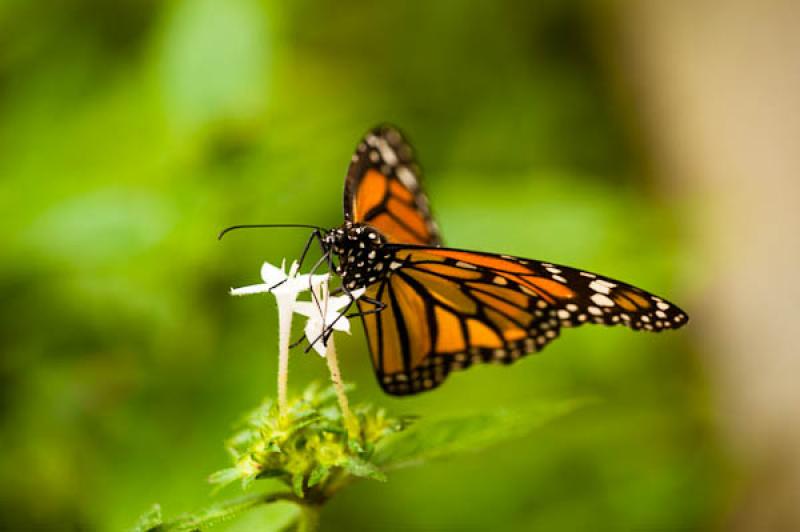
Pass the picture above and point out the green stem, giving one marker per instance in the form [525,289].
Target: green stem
[350,421]
[309,518]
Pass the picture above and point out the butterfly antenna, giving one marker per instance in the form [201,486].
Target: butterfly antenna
[266,226]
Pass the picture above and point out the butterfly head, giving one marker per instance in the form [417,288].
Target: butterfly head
[360,253]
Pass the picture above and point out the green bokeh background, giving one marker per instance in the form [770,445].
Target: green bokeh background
[131,132]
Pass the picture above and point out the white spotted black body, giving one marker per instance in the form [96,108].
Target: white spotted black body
[361,255]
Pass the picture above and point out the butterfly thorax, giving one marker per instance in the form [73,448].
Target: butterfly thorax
[361,254]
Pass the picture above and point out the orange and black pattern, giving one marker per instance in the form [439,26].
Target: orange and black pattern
[382,190]
[447,309]
[429,310]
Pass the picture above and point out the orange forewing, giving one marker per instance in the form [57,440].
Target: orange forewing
[370,193]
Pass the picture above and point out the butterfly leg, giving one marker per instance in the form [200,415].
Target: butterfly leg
[315,235]
[276,285]
[297,342]
[313,270]
[329,327]
[379,306]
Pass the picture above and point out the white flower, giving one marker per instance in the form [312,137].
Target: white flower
[325,314]
[285,287]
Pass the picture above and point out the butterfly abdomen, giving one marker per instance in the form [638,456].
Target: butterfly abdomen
[362,257]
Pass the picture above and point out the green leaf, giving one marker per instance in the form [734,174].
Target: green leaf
[361,468]
[149,520]
[297,484]
[225,476]
[304,422]
[220,512]
[356,446]
[271,472]
[433,438]
[319,472]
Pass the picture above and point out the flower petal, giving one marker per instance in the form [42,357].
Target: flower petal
[272,275]
[304,282]
[308,309]
[313,332]
[339,302]
[342,301]
[251,289]
[343,324]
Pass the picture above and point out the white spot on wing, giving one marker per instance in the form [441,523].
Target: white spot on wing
[387,152]
[407,178]
[598,287]
[602,300]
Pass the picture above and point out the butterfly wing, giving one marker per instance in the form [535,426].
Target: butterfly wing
[447,309]
[383,190]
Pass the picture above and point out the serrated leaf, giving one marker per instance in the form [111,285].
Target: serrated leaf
[432,438]
[361,468]
[217,513]
[149,520]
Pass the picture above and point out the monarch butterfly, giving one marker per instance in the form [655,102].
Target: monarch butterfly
[428,309]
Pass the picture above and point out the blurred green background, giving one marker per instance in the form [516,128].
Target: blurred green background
[132,132]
